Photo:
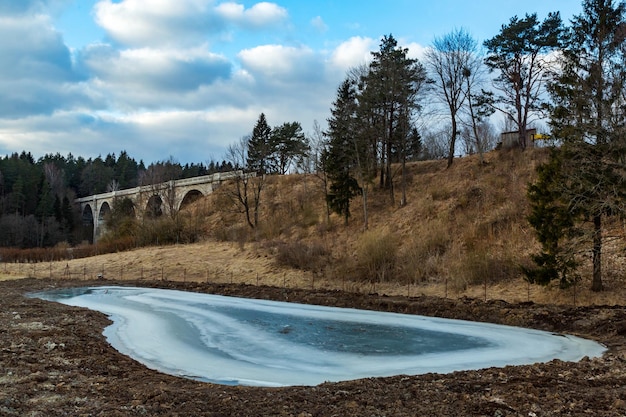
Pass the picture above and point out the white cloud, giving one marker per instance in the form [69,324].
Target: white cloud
[416,51]
[40,52]
[155,70]
[157,87]
[278,60]
[166,22]
[38,75]
[353,52]
[319,24]
[156,22]
[259,15]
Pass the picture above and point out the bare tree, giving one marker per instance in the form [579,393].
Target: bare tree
[453,62]
[55,177]
[435,144]
[319,145]
[246,193]
[113,185]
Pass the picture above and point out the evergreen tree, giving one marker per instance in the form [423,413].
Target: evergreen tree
[126,171]
[553,220]
[390,94]
[518,54]
[259,146]
[288,145]
[45,211]
[589,115]
[67,222]
[340,159]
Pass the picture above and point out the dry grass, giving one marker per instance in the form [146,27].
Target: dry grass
[462,233]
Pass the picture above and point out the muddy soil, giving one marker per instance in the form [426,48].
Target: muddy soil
[54,361]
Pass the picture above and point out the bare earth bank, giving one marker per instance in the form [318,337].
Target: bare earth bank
[54,361]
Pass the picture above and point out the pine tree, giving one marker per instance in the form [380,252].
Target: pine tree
[390,95]
[588,117]
[259,146]
[519,56]
[553,221]
[340,158]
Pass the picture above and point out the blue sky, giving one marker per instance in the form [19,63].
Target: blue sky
[186,78]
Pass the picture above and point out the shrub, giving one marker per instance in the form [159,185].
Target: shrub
[478,266]
[424,253]
[377,256]
[308,257]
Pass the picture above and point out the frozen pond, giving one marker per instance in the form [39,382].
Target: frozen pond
[229,340]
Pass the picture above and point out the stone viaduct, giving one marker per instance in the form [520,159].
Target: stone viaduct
[163,198]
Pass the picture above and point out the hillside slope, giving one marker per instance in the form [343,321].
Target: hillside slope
[462,229]
[463,232]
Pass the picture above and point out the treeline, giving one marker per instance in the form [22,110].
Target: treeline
[36,196]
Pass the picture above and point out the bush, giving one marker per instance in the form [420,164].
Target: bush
[423,255]
[377,256]
[307,257]
[476,266]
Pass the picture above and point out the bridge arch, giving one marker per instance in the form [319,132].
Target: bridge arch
[87,213]
[154,207]
[190,197]
[87,231]
[126,205]
[105,210]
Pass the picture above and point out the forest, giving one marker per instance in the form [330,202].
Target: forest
[36,196]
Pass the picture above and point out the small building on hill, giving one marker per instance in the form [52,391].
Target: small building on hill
[511,139]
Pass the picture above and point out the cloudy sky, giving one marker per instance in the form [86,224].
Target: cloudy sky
[186,78]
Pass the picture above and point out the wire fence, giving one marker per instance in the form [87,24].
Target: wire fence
[195,273]
[200,272]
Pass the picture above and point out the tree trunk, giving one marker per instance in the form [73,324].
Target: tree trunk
[389,179]
[596,284]
[522,138]
[479,144]
[452,142]
[403,200]
[365,211]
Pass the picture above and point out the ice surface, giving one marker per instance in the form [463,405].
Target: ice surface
[230,340]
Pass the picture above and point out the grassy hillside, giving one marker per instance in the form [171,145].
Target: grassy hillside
[460,224]
[463,227]
[463,232]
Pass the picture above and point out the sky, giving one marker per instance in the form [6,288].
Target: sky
[184,79]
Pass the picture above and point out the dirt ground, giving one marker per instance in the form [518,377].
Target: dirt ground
[54,361]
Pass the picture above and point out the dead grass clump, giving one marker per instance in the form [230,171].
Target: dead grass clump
[422,257]
[471,198]
[231,233]
[490,267]
[377,256]
[274,226]
[309,215]
[305,256]
[441,194]
[481,265]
